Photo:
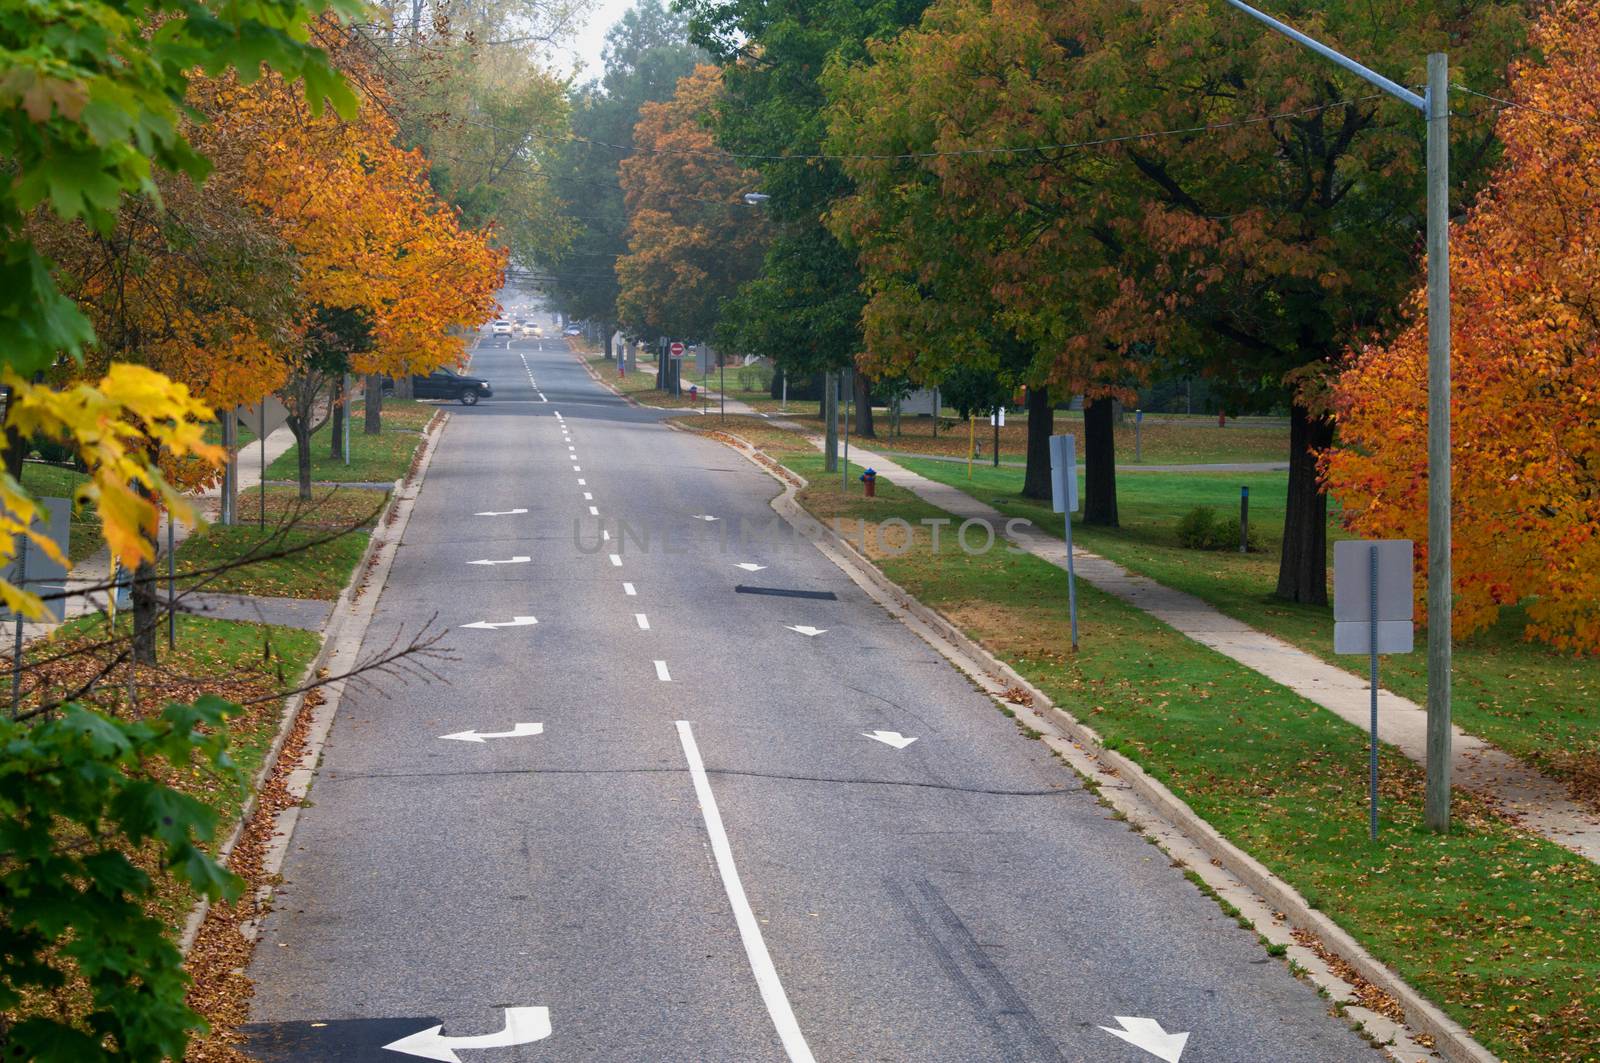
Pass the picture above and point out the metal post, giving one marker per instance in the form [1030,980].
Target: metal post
[722,387]
[172,580]
[995,462]
[16,650]
[1372,636]
[1440,598]
[1436,106]
[972,441]
[230,471]
[1072,579]
[1138,435]
[830,414]
[1244,518]
[261,488]
[783,405]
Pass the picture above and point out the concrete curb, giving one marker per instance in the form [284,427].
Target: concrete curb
[352,607]
[1084,749]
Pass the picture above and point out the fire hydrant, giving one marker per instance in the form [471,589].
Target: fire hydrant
[870,479]
[694,391]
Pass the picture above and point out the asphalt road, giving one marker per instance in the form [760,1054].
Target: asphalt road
[811,893]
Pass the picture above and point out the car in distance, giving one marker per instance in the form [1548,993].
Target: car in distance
[572,330]
[502,327]
[447,384]
[529,329]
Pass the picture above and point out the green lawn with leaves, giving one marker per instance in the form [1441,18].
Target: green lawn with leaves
[1531,701]
[275,562]
[373,459]
[1492,922]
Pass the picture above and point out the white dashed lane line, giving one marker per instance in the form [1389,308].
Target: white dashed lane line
[662,673]
[594,511]
[616,560]
[644,621]
[627,588]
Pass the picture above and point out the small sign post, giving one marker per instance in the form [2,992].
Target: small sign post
[1064,499]
[1373,605]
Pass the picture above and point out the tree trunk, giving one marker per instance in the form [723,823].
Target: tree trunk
[863,390]
[16,448]
[1099,463]
[301,427]
[146,603]
[403,388]
[776,388]
[1041,423]
[1303,568]
[374,415]
[336,421]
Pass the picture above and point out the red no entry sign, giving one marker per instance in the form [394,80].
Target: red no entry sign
[676,349]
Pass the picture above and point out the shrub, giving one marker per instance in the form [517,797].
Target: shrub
[1197,528]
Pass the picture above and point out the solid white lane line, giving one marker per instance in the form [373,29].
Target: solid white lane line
[662,673]
[644,621]
[755,948]
[594,511]
[627,588]
[616,560]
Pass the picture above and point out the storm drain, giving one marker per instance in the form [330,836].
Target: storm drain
[785,592]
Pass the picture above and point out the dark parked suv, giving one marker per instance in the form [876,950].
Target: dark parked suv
[448,384]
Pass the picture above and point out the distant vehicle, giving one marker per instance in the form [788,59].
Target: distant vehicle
[572,330]
[448,384]
[530,329]
[537,331]
[502,327]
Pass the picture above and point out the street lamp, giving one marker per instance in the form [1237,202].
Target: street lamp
[1435,105]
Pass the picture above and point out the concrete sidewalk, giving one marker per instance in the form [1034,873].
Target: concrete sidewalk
[1540,802]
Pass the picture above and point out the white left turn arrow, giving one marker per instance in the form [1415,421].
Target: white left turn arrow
[521,730]
[806,630]
[706,517]
[523,1026]
[1148,1035]
[520,559]
[499,513]
[516,621]
[749,566]
[889,738]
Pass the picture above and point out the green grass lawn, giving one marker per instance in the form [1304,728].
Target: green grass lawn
[640,385]
[373,459]
[1536,703]
[317,571]
[56,481]
[1493,923]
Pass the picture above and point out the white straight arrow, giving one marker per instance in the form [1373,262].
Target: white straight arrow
[749,566]
[889,738]
[521,730]
[806,630]
[516,621]
[523,1026]
[1148,1035]
[520,559]
[500,513]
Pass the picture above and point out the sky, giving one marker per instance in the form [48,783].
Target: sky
[590,39]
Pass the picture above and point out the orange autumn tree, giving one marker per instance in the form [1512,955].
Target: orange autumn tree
[691,239]
[388,280]
[1526,403]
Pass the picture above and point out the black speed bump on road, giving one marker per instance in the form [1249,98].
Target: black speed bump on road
[330,1041]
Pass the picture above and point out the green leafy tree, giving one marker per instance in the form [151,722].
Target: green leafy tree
[804,311]
[86,813]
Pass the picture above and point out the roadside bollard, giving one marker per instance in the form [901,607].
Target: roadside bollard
[870,479]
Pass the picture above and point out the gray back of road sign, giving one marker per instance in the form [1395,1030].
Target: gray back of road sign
[43,575]
[1064,474]
[276,412]
[1352,596]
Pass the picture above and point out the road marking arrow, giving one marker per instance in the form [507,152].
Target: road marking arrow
[806,630]
[1148,1035]
[889,738]
[749,566]
[520,559]
[516,621]
[523,1026]
[521,730]
[500,513]
[706,517]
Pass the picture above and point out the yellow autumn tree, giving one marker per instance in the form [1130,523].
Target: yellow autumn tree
[1526,403]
